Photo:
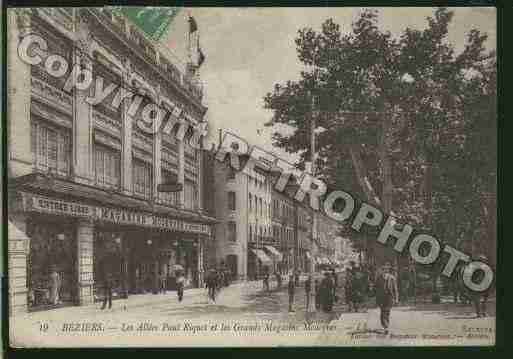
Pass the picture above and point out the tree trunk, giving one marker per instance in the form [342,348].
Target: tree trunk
[427,189]
[361,176]
[383,254]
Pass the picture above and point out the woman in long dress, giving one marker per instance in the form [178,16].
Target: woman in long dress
[55,286]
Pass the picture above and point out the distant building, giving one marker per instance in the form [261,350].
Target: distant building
[244,237]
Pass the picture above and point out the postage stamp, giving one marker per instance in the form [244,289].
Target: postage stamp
[245,177]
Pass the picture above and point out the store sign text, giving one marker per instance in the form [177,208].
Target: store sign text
[118,216]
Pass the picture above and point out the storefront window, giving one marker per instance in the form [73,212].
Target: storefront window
[190,194]
[51,276]
[51,148]
[107,166]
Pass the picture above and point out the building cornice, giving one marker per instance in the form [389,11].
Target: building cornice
[127,43]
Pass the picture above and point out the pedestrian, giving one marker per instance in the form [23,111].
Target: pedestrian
[326,295]
[335,285]
[107,287]
[348,290]
[479,299]
[266,282]
[317,295]
[219,280]
[278,279]
[296,278]
[335,277]
[180,284]
[55,286]
[291,290]
[163,282]
[357,288]
[211,284]
[308,288]
[386,294]
[227,277]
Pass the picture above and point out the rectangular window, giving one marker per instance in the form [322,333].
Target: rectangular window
[232,231]
[231,201]
[51,147]
[171,198]
[142,178]
[191,195]
[107,166]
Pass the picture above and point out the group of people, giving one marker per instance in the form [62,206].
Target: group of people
[319,294]
[322,294]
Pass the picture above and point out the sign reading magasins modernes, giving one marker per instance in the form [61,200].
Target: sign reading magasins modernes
[34,203]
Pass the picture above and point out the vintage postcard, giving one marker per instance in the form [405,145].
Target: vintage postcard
[246,177]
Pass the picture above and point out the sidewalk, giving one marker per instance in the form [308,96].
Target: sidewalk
[192,296]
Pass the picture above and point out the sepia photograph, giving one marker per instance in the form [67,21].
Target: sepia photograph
[251,177]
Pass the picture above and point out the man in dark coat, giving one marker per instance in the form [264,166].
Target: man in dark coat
[386,294]
[291,290]
[478,300]
[308,288]
[327,292]
[266,282]
[107,285]
[317,287]
[211,284]
[278,279]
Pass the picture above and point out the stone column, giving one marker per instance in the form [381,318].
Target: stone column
[126,143]
[157,154]
[181,171]
[19,248]
[18,95]
[85,259]
[200,261]
[83,122]
[200,179]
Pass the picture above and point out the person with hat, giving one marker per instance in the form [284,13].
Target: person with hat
[386,294]
[479,300]
[326,292]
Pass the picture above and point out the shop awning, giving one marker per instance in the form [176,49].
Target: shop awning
[262,257]
[275,253]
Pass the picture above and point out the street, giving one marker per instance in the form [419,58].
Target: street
[245,309]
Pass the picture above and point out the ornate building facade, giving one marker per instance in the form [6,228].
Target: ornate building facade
[84,177]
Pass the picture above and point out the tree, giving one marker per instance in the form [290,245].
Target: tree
[399,120]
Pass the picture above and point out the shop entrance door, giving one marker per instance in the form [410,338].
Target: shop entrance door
[231,262]
[52,271]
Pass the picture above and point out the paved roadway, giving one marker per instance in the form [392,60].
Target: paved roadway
[242,312]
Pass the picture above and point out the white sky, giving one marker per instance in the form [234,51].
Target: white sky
[248,50]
